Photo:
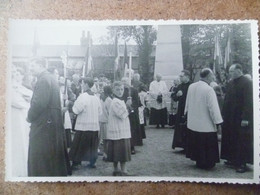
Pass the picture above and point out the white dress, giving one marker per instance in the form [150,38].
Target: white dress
[67,120]
[19,130]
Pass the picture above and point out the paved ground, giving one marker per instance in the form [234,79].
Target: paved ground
[156,158]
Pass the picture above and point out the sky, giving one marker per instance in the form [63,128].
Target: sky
[53,32]
[64,32]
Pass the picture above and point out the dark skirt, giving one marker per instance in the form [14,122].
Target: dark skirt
[158,117]
[84,146]
[118,150]
[179,136]
[237,144]
[68,137]
[172,119]
[142,129]
[202,147]
[136,135]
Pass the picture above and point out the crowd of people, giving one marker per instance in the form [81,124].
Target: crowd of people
[75,121]
[203,113]
[63,122]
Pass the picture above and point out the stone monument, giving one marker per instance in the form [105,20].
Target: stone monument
[168,58]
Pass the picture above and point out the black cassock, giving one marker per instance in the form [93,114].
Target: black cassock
[179,138]
[136,134]
[237,141]
[47,147]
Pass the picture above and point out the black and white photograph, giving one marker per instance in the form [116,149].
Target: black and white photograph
[132,101]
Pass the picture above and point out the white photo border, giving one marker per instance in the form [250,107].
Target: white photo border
[255,75]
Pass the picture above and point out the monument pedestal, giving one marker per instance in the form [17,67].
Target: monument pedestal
[168,58]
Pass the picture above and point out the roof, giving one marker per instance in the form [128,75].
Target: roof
[74,50]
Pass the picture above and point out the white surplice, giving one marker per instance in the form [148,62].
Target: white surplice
[155,89]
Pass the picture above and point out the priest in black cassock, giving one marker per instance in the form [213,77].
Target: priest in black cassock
[179,95]
[237,132]
[136,136]
[47,147]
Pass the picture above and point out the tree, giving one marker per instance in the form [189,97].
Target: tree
[198,45]
[241,45]
[144,36]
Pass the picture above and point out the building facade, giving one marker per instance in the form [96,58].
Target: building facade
[103,57]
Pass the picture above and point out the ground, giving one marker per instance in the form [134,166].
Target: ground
[157,158]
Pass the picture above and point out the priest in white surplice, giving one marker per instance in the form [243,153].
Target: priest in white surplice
[203,121]
[158,92]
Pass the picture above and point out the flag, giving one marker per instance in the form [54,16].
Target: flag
[36,43]
[227,59]
[116,63]
[218,61]
[64,59]
[90,61]
[88,64]
[125,63]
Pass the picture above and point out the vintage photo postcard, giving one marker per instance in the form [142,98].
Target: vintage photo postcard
[132,101]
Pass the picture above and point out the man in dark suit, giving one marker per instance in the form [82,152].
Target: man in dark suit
[47,147]
[237,131]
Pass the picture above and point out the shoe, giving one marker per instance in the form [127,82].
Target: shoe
[229,164]
[157,127]
[133,152]
[241,169]
[75,167]
[90,166]
[205,166]
[116,173]
[125,174]
[182,151]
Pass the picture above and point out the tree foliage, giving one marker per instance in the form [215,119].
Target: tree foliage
[198,45]
[144,36]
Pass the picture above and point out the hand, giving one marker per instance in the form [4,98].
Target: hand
[64,109]
[244,123]
[67,102]
[179,93]
[27,98]
[219,132]
[219,129]
[129,101]
[65,96]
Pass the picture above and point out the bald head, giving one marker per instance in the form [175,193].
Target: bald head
[207,75]
[158,77]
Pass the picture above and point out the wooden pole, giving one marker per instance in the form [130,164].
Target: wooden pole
[130,73]
[130,68]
